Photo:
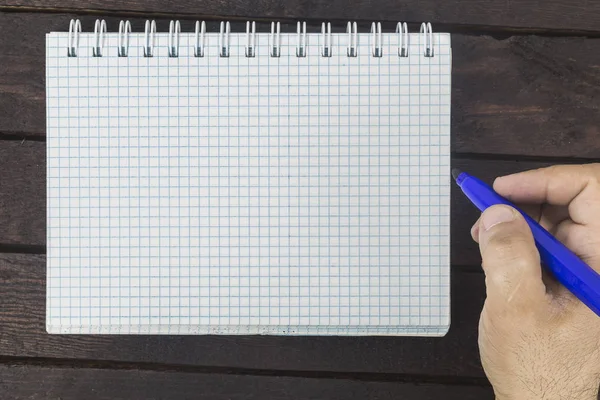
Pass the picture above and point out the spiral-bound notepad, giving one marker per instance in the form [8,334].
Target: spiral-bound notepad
[248,182]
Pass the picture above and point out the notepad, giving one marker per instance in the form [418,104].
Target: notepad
[248,182]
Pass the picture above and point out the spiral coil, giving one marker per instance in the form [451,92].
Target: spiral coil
[73,38]
[326,43]
[402,31]
[199,36]
[352,31]
[377,42]
[149,33]
[123,42]
[428,42]
[275,39]
[99,31]
[250,39]
[174,31]
[224,30]
[301,40]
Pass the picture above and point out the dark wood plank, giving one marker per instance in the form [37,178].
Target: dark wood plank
[529,96]
[526,96]
[22,192]
[22,334]
[23,204]
[525,14]
[36,382]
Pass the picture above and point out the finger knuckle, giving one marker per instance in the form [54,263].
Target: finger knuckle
[568,171]
[596,170]
[590,171]
[553,169]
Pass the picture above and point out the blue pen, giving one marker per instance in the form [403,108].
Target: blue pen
[568,269]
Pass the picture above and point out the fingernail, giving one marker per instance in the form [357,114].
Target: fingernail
[497,215]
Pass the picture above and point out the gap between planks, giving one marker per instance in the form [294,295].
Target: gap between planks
[41,137]
[198,369]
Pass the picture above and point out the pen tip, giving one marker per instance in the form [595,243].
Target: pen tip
[456,172]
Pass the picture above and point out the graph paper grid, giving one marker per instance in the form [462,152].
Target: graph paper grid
[232,195]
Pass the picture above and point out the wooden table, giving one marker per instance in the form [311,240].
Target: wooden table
[525,93]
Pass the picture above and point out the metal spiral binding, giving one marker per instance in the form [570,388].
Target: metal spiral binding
[326,46]
[376,40]
[149,33]
[250,39]
[352,31]
[428,42]
[99,31]
[174,31]
[224,30]
[402,31]
[301,40]
[73,38]
[200,30]
[275,39]
[123,41]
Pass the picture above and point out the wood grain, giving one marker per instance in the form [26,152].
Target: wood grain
[23,192]
[22,334]
[524,14]
[36,382]
[527,95]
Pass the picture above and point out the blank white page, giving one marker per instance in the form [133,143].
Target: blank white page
[212,195]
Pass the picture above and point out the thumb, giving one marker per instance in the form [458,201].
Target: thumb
[511,261]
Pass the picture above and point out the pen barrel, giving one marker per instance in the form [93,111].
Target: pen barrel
[566,266]
[481,194]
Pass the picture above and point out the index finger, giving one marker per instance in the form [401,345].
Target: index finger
[575,186]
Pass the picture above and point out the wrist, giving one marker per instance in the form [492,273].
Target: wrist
[589,393]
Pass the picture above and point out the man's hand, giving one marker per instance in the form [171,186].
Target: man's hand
[537,340]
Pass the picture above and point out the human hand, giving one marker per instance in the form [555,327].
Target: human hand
[537,340]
